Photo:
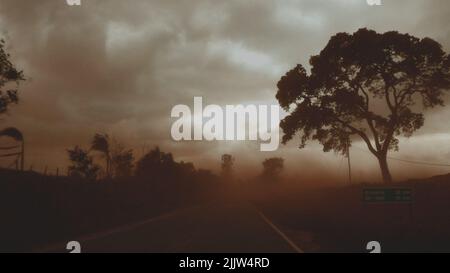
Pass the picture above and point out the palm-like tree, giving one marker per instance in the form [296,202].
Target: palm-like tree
[17,135]
[101,144]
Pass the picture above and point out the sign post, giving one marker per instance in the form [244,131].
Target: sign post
[389,196]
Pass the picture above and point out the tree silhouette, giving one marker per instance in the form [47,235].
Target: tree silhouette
[367,85]
[82,164]
[227,166]
[161,166]
[272,168]
[185,169]
[156,164]
[101,143]
[121,161]
[8,74]
[17,135]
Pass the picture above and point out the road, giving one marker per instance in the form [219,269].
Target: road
[218,227]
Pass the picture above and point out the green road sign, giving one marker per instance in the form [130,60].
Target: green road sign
[384,195]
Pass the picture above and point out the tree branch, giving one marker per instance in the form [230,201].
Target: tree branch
[366,95]
[388,99]
[360,133]
[407,92]
[369,118]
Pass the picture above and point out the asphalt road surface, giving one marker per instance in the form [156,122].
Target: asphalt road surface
[218,227]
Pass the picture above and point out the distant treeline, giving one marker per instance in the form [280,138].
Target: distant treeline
[119,162]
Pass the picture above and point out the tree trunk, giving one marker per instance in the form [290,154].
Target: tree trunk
[386,174]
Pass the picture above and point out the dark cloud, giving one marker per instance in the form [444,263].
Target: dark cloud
[119,66]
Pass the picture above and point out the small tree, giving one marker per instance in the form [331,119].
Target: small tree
[272,167]
[82,164]
[367,85]
[156,164]
[227,166]
[185,169]
[121,161]
[101,143]
[17,135]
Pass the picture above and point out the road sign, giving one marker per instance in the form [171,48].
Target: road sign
[387,195]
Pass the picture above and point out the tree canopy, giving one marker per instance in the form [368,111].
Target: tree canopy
[82,164]
[8,74]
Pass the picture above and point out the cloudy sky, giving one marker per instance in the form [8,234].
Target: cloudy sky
[119,67]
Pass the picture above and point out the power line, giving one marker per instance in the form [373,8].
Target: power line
[419,162]
[409,161]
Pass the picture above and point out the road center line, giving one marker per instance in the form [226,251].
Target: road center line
[277,230]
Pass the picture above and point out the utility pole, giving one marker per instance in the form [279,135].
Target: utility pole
[349,164]
[22,156]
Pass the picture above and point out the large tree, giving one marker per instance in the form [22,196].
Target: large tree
[366,84]
[9,79]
